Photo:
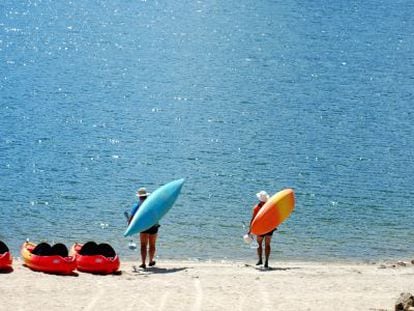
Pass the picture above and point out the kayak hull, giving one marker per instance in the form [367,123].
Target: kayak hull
[155,207]
[96,264]
[54,264]
[6,261]
[275,211]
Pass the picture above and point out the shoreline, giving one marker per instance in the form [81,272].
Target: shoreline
[251,260]
[276,260]
[212,285]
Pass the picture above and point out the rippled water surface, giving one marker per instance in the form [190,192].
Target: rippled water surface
[98,98]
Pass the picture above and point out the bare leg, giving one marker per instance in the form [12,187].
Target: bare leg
[152,249]
[259,250]
[144,237]
[268,239]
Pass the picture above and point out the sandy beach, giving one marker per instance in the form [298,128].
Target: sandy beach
[187,285]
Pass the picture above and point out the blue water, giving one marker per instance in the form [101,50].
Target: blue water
[98,98]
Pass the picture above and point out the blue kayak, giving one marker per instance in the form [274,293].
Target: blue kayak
[155,207]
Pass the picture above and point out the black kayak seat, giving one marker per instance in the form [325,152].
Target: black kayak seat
[3,248]
[42,249]
[89,249]
[106,250]
[60,249]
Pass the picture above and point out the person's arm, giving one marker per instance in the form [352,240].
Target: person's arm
[253,215]
[133,211]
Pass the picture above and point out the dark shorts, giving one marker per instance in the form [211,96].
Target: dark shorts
[270,233]
[152,230]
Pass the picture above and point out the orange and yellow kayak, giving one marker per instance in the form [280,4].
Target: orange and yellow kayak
[45,258]
[275,211]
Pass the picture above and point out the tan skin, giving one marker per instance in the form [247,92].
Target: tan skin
[148,242]
[267,239]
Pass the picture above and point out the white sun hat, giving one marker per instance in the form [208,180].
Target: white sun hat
[262,196]
[142,192]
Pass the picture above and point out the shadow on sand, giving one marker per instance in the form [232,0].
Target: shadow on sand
[72,274]
[157,270]
[269,269]
[6,270]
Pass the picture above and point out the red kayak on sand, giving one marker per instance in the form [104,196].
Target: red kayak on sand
[6,259]
[94,258]
[50,259]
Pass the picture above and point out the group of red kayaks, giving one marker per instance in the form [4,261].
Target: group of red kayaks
[57,259]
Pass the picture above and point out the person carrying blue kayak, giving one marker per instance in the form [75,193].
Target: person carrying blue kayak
[148,238]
